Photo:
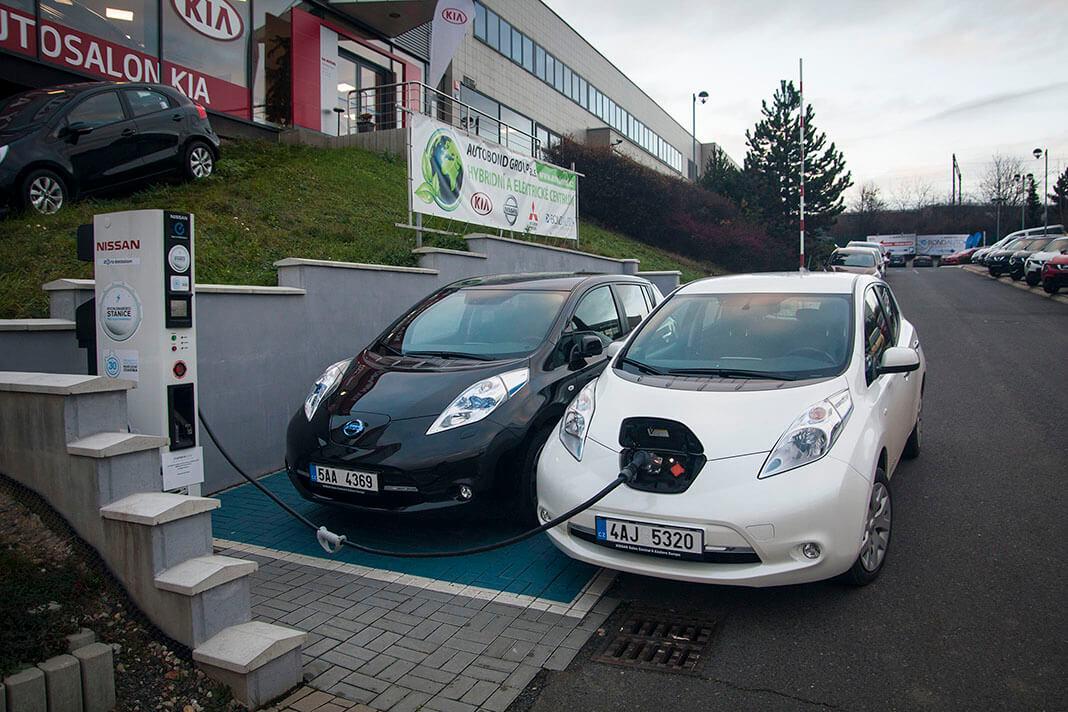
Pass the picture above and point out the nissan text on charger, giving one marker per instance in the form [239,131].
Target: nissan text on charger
[774,409]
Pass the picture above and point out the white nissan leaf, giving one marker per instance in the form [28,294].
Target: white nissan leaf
[772,411]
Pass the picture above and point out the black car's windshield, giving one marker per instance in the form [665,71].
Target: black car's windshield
[853,259]
[32,107]
[481,324]
[776,336]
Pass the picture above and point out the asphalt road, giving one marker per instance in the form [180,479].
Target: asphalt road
[969,612]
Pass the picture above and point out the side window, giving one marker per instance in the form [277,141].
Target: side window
[99,110]
[876,333]
[597,312]
[890,307]
[635,306]
[145,101]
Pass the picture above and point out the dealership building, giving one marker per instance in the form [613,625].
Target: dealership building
[522,76]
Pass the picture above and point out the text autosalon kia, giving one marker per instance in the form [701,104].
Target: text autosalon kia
[771,410]
[453,402]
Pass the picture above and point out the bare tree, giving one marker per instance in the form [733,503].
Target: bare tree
[868,199]
[997,184]
[911,194]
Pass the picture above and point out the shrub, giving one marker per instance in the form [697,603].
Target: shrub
[662,211]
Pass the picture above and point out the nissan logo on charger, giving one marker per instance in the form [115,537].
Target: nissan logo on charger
[454,16]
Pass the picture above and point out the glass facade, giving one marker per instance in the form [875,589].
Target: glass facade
[498,123]
[495,31]
[127,23]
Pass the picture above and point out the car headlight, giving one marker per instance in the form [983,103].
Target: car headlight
[811,436]
[324,385]
[576,422]
[480,400]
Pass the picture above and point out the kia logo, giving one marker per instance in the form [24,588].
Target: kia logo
[456,17]
[481,204]
[216,19]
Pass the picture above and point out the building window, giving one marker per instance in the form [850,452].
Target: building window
[493,29]
[558,78]
[517,46]
[480,21]
[128,23]
[506,38]
[583,95]
[272,93]
[210,69]
[539,62]
[517,140]
[528,54]
[550,68]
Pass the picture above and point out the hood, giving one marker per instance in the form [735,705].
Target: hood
[854,270]
[408,387]
[729,417]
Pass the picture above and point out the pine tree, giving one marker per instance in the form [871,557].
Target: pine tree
[1058,199]
[721,175]
[772,168]
[1034,205]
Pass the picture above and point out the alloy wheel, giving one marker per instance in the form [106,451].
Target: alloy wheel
[877,531]
[200,162]
[46,195]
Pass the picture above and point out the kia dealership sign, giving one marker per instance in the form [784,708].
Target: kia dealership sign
[216,19]
[448,29]
[460,177]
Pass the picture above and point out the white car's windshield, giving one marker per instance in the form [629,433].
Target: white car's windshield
[778,336]
[853,259]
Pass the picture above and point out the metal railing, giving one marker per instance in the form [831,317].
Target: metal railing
[387,106]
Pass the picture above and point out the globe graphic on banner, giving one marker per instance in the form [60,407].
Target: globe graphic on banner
[446,169]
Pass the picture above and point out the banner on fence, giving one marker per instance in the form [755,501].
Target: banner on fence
[460,177]
[936,245]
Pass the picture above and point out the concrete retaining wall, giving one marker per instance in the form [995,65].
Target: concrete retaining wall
[260,348]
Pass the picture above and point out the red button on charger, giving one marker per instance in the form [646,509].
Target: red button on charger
[179,369]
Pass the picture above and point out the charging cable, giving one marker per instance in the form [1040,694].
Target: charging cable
[332,543]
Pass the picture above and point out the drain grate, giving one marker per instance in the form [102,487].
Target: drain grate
[656,642]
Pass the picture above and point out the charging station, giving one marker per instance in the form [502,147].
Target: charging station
[145,328]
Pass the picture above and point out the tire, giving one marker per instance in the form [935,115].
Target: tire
[1032,279]
[1051,288]
[44,191]
[199,160]
[878,519]
[526,498]
[1016,276]
[912,445]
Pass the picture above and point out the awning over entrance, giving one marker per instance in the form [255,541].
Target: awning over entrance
[389,17]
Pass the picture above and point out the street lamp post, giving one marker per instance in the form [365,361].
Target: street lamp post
[703,96]
[1037,153]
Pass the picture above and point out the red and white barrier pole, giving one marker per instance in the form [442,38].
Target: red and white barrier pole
[801,90]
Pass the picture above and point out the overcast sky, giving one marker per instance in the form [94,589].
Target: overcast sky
[899,86]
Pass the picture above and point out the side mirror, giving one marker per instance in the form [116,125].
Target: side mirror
[588,346]
[613,348]
[78,128]
[899,359]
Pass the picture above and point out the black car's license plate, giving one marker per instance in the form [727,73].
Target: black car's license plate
[344,479]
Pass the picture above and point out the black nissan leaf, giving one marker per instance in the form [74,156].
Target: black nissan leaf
[452,403]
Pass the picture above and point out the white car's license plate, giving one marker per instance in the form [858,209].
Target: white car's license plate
[676,542]
[344,479]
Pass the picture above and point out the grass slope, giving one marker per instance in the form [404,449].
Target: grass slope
[266,202]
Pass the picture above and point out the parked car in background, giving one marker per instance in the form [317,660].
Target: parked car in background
[896,259]
[76,139]
[997,261]
[751,404]
[959,258]
[1018,259]
[855,260]
[1055,274]
[883,250]
[923,261]
[1037,260]
[981,256]
[452,403]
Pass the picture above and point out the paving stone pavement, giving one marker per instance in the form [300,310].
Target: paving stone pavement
[376,641]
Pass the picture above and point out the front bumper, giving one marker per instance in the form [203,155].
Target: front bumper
[824,503]
[416,472]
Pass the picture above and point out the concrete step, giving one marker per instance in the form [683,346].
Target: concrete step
[101,445]
[151,509]
[201,573]
[258,661]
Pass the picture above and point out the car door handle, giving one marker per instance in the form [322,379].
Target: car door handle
[176,117]
[129,132]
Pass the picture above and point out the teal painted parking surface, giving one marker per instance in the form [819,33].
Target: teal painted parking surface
[533,567]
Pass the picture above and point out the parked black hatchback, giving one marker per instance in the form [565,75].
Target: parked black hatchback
[74,139]
[453,402]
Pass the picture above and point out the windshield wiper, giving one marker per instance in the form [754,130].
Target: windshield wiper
[730,373]
[641,366]
[451,354]
[387,347]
